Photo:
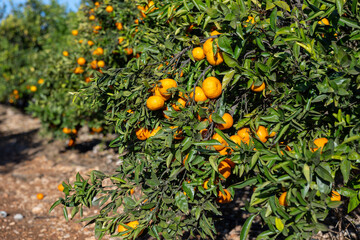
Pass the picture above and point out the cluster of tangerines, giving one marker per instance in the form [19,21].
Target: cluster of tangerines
[15,93]
[73,135]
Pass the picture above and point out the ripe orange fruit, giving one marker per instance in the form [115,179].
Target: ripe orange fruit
[282,199]
[74,32]
[61,187]
[224,169]
[128,51]
[78,70]
[33,88]
[155,103]
[250,19]
[213,58]
[74,131]
[40,81]
[109,9]
[258,88]
[119,26]
[230,162]
[165,85]
[157,93]
[71,143]
[97,4]
[229,121]
[225,151]
[185,158]
[198,53]
[65,53]
[40,196]
[93,64]
[99,51]
[92,18]
[216,136]
[324,21]
[224,198]
[154,131]
[262,133]
[199,95]
[244,134]
[81,41]
[97,130]
[81,61]
[142,133]
[101,63]
[121,39]
[178,133]
[335,196]
[212,87]
[90,43]
[320,143]
[66,130]
[236,139]
[205,184]
[181,102]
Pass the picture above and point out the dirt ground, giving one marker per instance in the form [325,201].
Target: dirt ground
[31,164]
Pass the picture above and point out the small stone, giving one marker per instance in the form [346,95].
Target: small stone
[38,209]
[12,223]
[66,236]
[18,216]
[3,214]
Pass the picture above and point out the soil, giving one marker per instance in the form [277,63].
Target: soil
[31,163]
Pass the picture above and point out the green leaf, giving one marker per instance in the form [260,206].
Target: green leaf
[279,224]
[339,6]
[189,190]
[55,204]
[230,61]
[349,22]
[217,119]
[282,5]
[246,227]
[324,174]
[181,202]
[345,166]
[227,78]
[273,18]
[225,44]
[353,203]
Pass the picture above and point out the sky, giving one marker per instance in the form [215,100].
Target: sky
[71,5]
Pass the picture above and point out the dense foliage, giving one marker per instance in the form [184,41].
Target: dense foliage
[208,97]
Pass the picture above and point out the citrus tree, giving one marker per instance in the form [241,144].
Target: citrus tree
[208,97]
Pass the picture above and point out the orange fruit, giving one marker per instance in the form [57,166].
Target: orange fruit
[101,63]
[335,196]
[198,53]
[142,133]
[109,9]
[66,130]
[74,131]
[213,58]
[205,184]
[40,196]
[212,87]
[81,41]
[130,111]
[178,133]
[15,92]
[229,121]
[97,4]
[216,136]
[224,198]
[262,133]
[185,158]
[92,18]
[165,85]
[128,51]
[65,53]
[40,81]
[132,191]
[199,95]
[155,103]
[230,162]
[157,93]
[121,39]
[78,70]
[324,21]
[90,43]
[282,199]
[258,88]
[93,64]
[224,169]
[154,131]
[181,102]
[244,134]
[71,143]
[99,51]
[250,19]
[33,88]
[236,139]
[74,32]
[320,143]
[61,187]
[119,26]
[81,61]
[225,151]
